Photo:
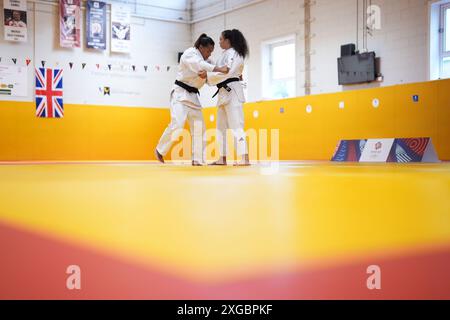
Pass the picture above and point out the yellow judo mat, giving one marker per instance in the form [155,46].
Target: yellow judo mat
[215,225]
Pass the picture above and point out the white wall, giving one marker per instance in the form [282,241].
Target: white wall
[153,43]
[260,22]
[173,9]
[401,43]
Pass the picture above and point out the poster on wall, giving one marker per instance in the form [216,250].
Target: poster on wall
[120,28]
[13,81]
[69,23]
[15,16]
[96,25]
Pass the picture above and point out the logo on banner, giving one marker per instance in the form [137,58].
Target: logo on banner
[376,150]
[70,23]
[378,146]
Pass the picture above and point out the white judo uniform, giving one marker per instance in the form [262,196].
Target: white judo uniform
[230,113]
[186,106]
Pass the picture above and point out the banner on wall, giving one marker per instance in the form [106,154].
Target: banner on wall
[49,93]
[69,23]
[15,15]
[400,150]
[96,24]
[120,28]
[13,81]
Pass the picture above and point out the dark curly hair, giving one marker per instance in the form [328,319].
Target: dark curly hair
[237,41]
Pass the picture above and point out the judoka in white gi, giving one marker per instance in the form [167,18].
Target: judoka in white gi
[184,101]
[230,93]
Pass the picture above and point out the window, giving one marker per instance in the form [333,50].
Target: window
[279,68]
[444,32]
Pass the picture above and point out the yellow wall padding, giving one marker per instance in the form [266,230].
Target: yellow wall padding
[123,133]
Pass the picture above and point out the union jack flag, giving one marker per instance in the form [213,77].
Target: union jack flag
[49,93]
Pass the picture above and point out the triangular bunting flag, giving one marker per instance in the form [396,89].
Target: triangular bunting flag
[157,68]
[168,68]
[28,61]
[145,68]
[43,63]
[83,65]
[70,65]
[109,66]
[14,60]
[134,68]
[98,65]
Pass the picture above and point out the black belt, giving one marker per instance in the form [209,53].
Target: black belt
[224,84]
[187,87]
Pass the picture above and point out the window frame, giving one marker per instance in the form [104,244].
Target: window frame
[268,47]
[443,37]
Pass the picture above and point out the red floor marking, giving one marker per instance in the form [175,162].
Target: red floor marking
[33,267]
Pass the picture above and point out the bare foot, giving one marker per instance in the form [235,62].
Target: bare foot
[221,162]
[159,156]
[245,162]
[242,164]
